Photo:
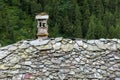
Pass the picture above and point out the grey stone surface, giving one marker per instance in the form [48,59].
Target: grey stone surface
[58,39]
[67,47]
[117,78]
[61,59]
[4,54]
[38,42]
[57,46]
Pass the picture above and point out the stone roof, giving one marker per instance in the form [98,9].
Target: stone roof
[59,58]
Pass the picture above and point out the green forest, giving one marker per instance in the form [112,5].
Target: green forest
[86,19]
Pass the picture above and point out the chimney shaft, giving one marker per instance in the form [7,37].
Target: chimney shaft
[42,26]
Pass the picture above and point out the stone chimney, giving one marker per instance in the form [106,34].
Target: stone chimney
[42,26]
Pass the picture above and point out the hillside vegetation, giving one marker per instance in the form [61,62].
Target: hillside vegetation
[87,19]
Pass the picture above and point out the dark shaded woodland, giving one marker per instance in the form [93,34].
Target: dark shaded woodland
[87,19]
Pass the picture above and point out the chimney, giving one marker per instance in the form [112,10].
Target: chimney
[42,26]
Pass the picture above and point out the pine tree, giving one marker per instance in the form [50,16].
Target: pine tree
[67,27]
[55,31]
[112,32]
[85,18]
[108,19]
[35,8]
[91,29]
[100,30]
[117,30]
[77,30]
[99,9]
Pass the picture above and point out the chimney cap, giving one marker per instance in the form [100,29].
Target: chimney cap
[42,15]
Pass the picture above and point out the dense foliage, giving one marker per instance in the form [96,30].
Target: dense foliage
[91,19]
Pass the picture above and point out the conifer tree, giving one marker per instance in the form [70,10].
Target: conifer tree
[99,9]
[108,19]
[77,29]
[100,29]
[117,30]
[85,18]
[112,32]
[91,29]
[67,27]
[55,29]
